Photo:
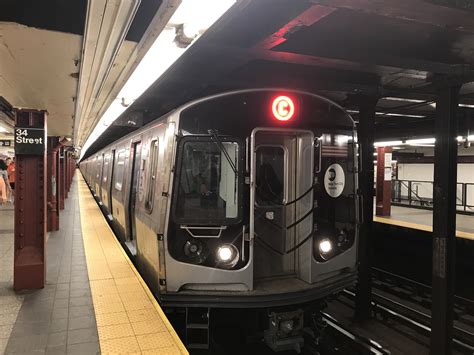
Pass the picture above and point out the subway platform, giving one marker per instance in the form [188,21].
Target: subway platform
[422,219]
[94,300]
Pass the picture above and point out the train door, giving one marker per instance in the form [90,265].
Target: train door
[101,177]
[111,182]
[136,153]
[281,172]
[98,174]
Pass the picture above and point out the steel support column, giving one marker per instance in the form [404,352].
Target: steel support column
[53,207]
[30,200]
[62,178]
[69,171]
[384,181]
[444,220]
[73,167]
[66,173]
[366,189]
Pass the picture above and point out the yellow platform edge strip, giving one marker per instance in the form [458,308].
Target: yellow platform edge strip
[86,197]
[423,227]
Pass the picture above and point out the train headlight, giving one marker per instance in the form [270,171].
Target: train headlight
[227,255]
[196,251]
[325,248]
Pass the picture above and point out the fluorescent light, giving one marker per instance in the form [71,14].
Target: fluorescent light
[387,144]
[432,104]
[195,17]
[391,114]
[403,99]
[3,130]
[469,138]
[421,141]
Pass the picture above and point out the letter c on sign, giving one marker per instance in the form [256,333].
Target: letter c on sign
[283,108]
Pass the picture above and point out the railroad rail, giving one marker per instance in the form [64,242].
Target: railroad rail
[420,294]
[329,336]
[463,340]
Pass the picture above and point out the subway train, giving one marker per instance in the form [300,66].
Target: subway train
[242,200]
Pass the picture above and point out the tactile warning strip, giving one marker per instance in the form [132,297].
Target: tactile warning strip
[129,319]
[423,227]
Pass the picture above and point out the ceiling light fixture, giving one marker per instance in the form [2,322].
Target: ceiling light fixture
[191,14]
[387,144]
[391,114]
[402,99]
[421,141]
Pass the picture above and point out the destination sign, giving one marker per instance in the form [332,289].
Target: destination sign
[29,141]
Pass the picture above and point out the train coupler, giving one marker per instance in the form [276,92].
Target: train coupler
[285,331]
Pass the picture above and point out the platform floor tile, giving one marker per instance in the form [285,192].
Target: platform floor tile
[129,319]
[10,302]
[58,319]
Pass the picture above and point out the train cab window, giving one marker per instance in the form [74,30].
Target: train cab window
[152,176]
[208,188]
[119,170]
[270,170]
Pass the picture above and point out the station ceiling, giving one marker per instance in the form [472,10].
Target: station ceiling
[399,50]
[43,48]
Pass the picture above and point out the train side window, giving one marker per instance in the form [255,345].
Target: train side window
[154,153]
[106,168]
[119,170]
[99,168]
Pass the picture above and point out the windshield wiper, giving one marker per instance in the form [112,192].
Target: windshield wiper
[213,133]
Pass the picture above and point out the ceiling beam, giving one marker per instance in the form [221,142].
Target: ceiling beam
[381,65]
[420,11]
[305,19]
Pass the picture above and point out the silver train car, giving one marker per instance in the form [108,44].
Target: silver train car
[246,199]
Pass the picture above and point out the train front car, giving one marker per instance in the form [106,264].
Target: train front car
[264,204]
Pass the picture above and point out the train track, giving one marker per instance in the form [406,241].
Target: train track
[356,343]
[409,303]
[420,294]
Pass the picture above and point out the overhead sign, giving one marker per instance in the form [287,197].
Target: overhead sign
[5,143]
[334,180]
[29,141]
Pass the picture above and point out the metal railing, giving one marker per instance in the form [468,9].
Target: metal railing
[417,193]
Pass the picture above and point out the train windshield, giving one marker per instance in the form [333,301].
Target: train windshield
[208,189]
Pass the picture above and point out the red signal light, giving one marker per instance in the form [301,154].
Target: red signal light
[283,108]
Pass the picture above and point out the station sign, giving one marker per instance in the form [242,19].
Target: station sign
[5,143]
[29,141]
